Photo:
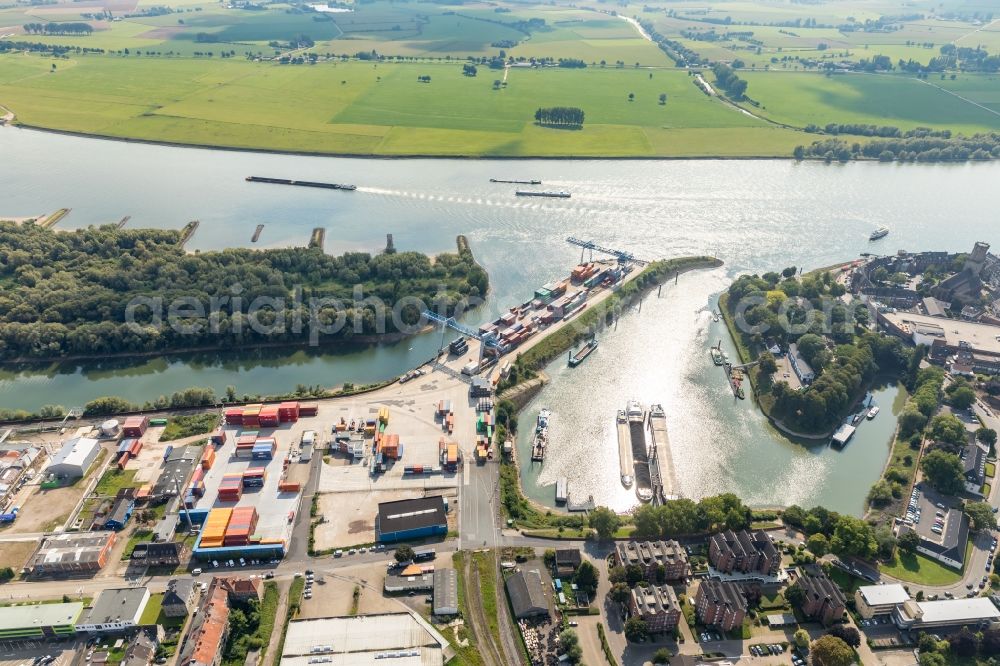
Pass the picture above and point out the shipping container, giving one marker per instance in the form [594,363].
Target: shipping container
[135,448]
[208,459]
[123,460]
[286,487]
[308,409]
[234,415]
[125,445]
[167,451]
[135,426]
[157,422]
[219,437]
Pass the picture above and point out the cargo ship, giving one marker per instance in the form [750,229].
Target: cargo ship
[543,193]
[301,183]
[881,232]
[516,182]
[562,490]
[624,449]
[640,455]
[577,358]
[541,437]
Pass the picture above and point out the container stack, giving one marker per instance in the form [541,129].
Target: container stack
[135,448]
[370,426]
[288,412]
[241,526]
[245,443]
[208,458]
[125,445]
[263,449]
[287,487]
[135,426]
[308,409]
[444,408]
[214,532]
[219,437]
[123,460]
[251,415]
[254,477]
[390,447]
[231,487]
[197,485]
[268,417]
[234,415]
[383,415]
[451,457]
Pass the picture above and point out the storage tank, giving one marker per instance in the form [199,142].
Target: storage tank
[109,428]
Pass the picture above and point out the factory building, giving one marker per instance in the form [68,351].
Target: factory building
[115,610]
[404,520]
[41,621]
[82,552]
[74,458]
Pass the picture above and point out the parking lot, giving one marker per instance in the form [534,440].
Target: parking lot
[932,515]
[37,653]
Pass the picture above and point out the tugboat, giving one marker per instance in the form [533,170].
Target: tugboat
[873,412]
[881,232]
[541,437]
[716,356]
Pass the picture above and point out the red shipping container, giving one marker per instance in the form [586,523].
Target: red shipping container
[135,426]
[308,409]
[135,448]
[123,460]
[234,415]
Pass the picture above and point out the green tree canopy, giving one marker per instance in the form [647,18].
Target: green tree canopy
[831,651]
[604,521]
[944,471]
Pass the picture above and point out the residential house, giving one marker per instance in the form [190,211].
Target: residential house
[657,605]
[743,552]
[974,462]
[802,369]
[651,556]
[567,561]
[240,589]
[141,651]
[206,639]
[720,604]
[823,599]
[180,597]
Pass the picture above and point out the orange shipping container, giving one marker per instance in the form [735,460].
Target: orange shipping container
[453,453]
[208,458]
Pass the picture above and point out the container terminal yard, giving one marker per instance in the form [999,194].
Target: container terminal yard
[276,485]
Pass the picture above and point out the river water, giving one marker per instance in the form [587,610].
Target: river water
[755,215]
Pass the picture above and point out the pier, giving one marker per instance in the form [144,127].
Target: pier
[317,238]
[188,231]
[662,464]
[301,183]
[122,222]
[52,219]
[256,233]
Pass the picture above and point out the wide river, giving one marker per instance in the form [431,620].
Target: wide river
[755,215]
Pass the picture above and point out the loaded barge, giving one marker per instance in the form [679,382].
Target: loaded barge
[543,193]
[578,357]
[516,182]
[640,455]
[624,449]
[301,183]
[541,437]
[662,464]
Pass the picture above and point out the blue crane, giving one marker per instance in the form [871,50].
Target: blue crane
[622,255]
[488,340]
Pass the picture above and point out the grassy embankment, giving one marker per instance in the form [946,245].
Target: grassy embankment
[461,638]
[188,425]
[915,568]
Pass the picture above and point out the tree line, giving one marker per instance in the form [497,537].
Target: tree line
[881,131]
[569,116]
[73,28]
[67,293]
[984,146]
[726,78]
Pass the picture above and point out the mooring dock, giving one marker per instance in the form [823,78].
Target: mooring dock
[662,464]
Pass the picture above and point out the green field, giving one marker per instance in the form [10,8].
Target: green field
[162,76]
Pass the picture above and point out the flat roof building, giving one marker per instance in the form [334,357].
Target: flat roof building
[651,555]
[80,552]
[364,640]
[445,592]
[972,612]
[39,621]
[115,610]
[872,600]
[411,519]
[74,458]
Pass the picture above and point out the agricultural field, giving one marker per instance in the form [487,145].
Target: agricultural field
[190,71]
[802,98]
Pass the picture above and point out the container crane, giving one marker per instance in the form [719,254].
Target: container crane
[623,256]
[488,340]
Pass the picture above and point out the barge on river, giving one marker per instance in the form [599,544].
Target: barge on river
[640,454]
[624,449]
[543,193]
[576,358]
[516,182]
[301,183]
[540,439]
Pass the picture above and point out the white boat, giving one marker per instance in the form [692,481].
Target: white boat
[873,412]
[881,232]
[624,449]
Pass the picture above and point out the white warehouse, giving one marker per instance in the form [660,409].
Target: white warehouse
[74,458]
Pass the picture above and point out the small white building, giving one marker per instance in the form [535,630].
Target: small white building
[872,600]
[74,458]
